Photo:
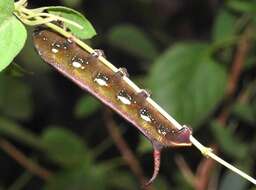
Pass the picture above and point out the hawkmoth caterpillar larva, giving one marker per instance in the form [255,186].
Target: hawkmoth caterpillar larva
[87,71]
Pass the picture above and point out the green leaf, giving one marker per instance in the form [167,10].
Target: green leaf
[86,33]
[132,40]
[86,106]
[13,130]
[233,181]
[242,6]
[64,147]
[15,98]
[229,143]
[187,82]
[79,178]
[6,7]
[223,28]
[12,37]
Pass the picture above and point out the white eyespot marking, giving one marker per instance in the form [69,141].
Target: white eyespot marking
[55,47]
[54,50]
[124,97]
[69,41]
[124,100]
[101,79]
[145,115]
[162,130]
[78,62]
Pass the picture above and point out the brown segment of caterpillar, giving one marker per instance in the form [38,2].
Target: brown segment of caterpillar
[143,94]
[86,70]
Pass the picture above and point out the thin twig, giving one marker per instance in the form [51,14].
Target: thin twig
[185,169]
[24,161]
[239,61]
[123,147]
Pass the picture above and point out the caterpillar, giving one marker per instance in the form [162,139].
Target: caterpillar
[88,72]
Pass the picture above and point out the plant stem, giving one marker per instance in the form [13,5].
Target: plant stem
[123,147]
[208,153]
[21,3]
[27,163]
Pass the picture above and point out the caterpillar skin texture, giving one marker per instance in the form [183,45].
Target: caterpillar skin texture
[90,74]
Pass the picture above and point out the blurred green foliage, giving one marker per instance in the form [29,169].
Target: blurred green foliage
[15,98]
[86,106]
[129,38]
[61,127]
